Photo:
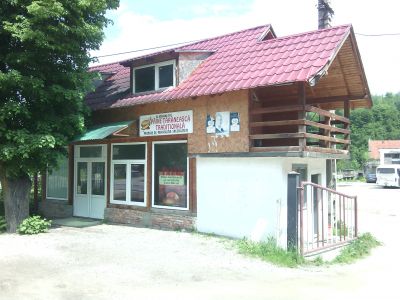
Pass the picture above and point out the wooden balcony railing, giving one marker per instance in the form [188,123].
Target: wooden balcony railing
[298,128]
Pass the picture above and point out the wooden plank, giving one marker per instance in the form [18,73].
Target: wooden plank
[326,150]
[278,109]
[327,127]
[326,138]
[277,136]
[275,149]
[299,122]
[326,114]
[277,123]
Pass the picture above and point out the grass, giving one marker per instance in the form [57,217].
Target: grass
[357,249]
[269,251]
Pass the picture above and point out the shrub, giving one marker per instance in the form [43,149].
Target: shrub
[34,225]
[3,224]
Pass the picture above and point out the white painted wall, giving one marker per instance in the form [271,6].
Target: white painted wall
[247,197]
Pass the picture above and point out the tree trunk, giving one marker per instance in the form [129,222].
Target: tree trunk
[16,200]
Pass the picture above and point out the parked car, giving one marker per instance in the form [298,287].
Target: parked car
[370,178]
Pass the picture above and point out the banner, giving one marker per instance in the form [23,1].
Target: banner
[180,122]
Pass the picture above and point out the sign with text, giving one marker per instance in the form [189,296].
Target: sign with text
[179,122]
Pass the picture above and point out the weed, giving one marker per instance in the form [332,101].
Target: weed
[34,225]
[357,249]
[270,251]
[340,229]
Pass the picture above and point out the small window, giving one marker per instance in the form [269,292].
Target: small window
[90,151]
[145,79]
[129,151]
[154,77]
[166,75]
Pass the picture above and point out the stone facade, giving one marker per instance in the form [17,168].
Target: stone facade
[55,209]
[153,219]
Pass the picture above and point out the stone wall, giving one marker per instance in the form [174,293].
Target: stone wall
[153,219]
[55,209]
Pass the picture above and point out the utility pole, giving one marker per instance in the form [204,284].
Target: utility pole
[325,13]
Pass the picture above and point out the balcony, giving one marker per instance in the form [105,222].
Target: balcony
[299,128]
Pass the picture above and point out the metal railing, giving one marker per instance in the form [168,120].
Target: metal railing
[327,218]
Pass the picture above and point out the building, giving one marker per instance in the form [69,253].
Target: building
[384,152]
[203,136]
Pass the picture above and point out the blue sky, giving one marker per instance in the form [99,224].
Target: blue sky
[144,24]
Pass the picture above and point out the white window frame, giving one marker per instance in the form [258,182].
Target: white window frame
[128,163]
[47,180]
[153,181]
[156,74]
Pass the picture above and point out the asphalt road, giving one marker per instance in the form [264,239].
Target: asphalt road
[118,262]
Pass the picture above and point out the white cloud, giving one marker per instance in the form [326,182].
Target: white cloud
[380,55]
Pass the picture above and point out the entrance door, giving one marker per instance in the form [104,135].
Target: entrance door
[90,185]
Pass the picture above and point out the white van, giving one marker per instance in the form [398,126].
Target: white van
[388,175]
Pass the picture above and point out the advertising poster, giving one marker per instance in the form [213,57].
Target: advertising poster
[235,121]
[180,122]
[210,124]
[172,188]
[222,122]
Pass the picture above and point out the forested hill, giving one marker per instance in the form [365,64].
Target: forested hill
[382,122]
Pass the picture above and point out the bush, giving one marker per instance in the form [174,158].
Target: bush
[34,225]
[3,224]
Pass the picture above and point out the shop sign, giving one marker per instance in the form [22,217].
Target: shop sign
[180,122]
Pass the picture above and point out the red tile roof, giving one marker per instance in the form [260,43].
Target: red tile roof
[374,146]
[241,61]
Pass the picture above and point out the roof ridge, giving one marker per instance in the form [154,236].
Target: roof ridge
[105,64]
[308,32]
[225,35]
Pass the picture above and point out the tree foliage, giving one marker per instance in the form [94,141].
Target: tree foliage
[381,122]
[44,56]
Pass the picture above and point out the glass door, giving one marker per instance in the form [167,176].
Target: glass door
[90,183]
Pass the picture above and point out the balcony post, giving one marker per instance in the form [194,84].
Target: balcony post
[302,114]
[346,112]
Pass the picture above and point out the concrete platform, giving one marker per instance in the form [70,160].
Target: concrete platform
[76,222]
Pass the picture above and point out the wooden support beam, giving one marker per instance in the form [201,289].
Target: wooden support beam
[302,113]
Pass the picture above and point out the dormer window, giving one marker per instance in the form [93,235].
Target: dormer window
[154,77]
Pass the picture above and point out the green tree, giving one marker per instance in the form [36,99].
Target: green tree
[44,56]
[382,122]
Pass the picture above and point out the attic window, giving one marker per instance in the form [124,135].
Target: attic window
[154,77]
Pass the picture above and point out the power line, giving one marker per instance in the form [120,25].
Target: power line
[378,34]
[145,49]
[188,42]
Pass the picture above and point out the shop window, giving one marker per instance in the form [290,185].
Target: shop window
[154,77]
[170,175]
[128,174]
[57,181]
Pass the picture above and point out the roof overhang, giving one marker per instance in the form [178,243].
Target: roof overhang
[103,131]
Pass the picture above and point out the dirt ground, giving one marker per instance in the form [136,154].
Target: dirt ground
[119,262]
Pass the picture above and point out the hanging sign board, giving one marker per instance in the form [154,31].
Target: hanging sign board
[179,122]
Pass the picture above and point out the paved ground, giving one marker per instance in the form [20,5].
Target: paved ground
[117,262]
